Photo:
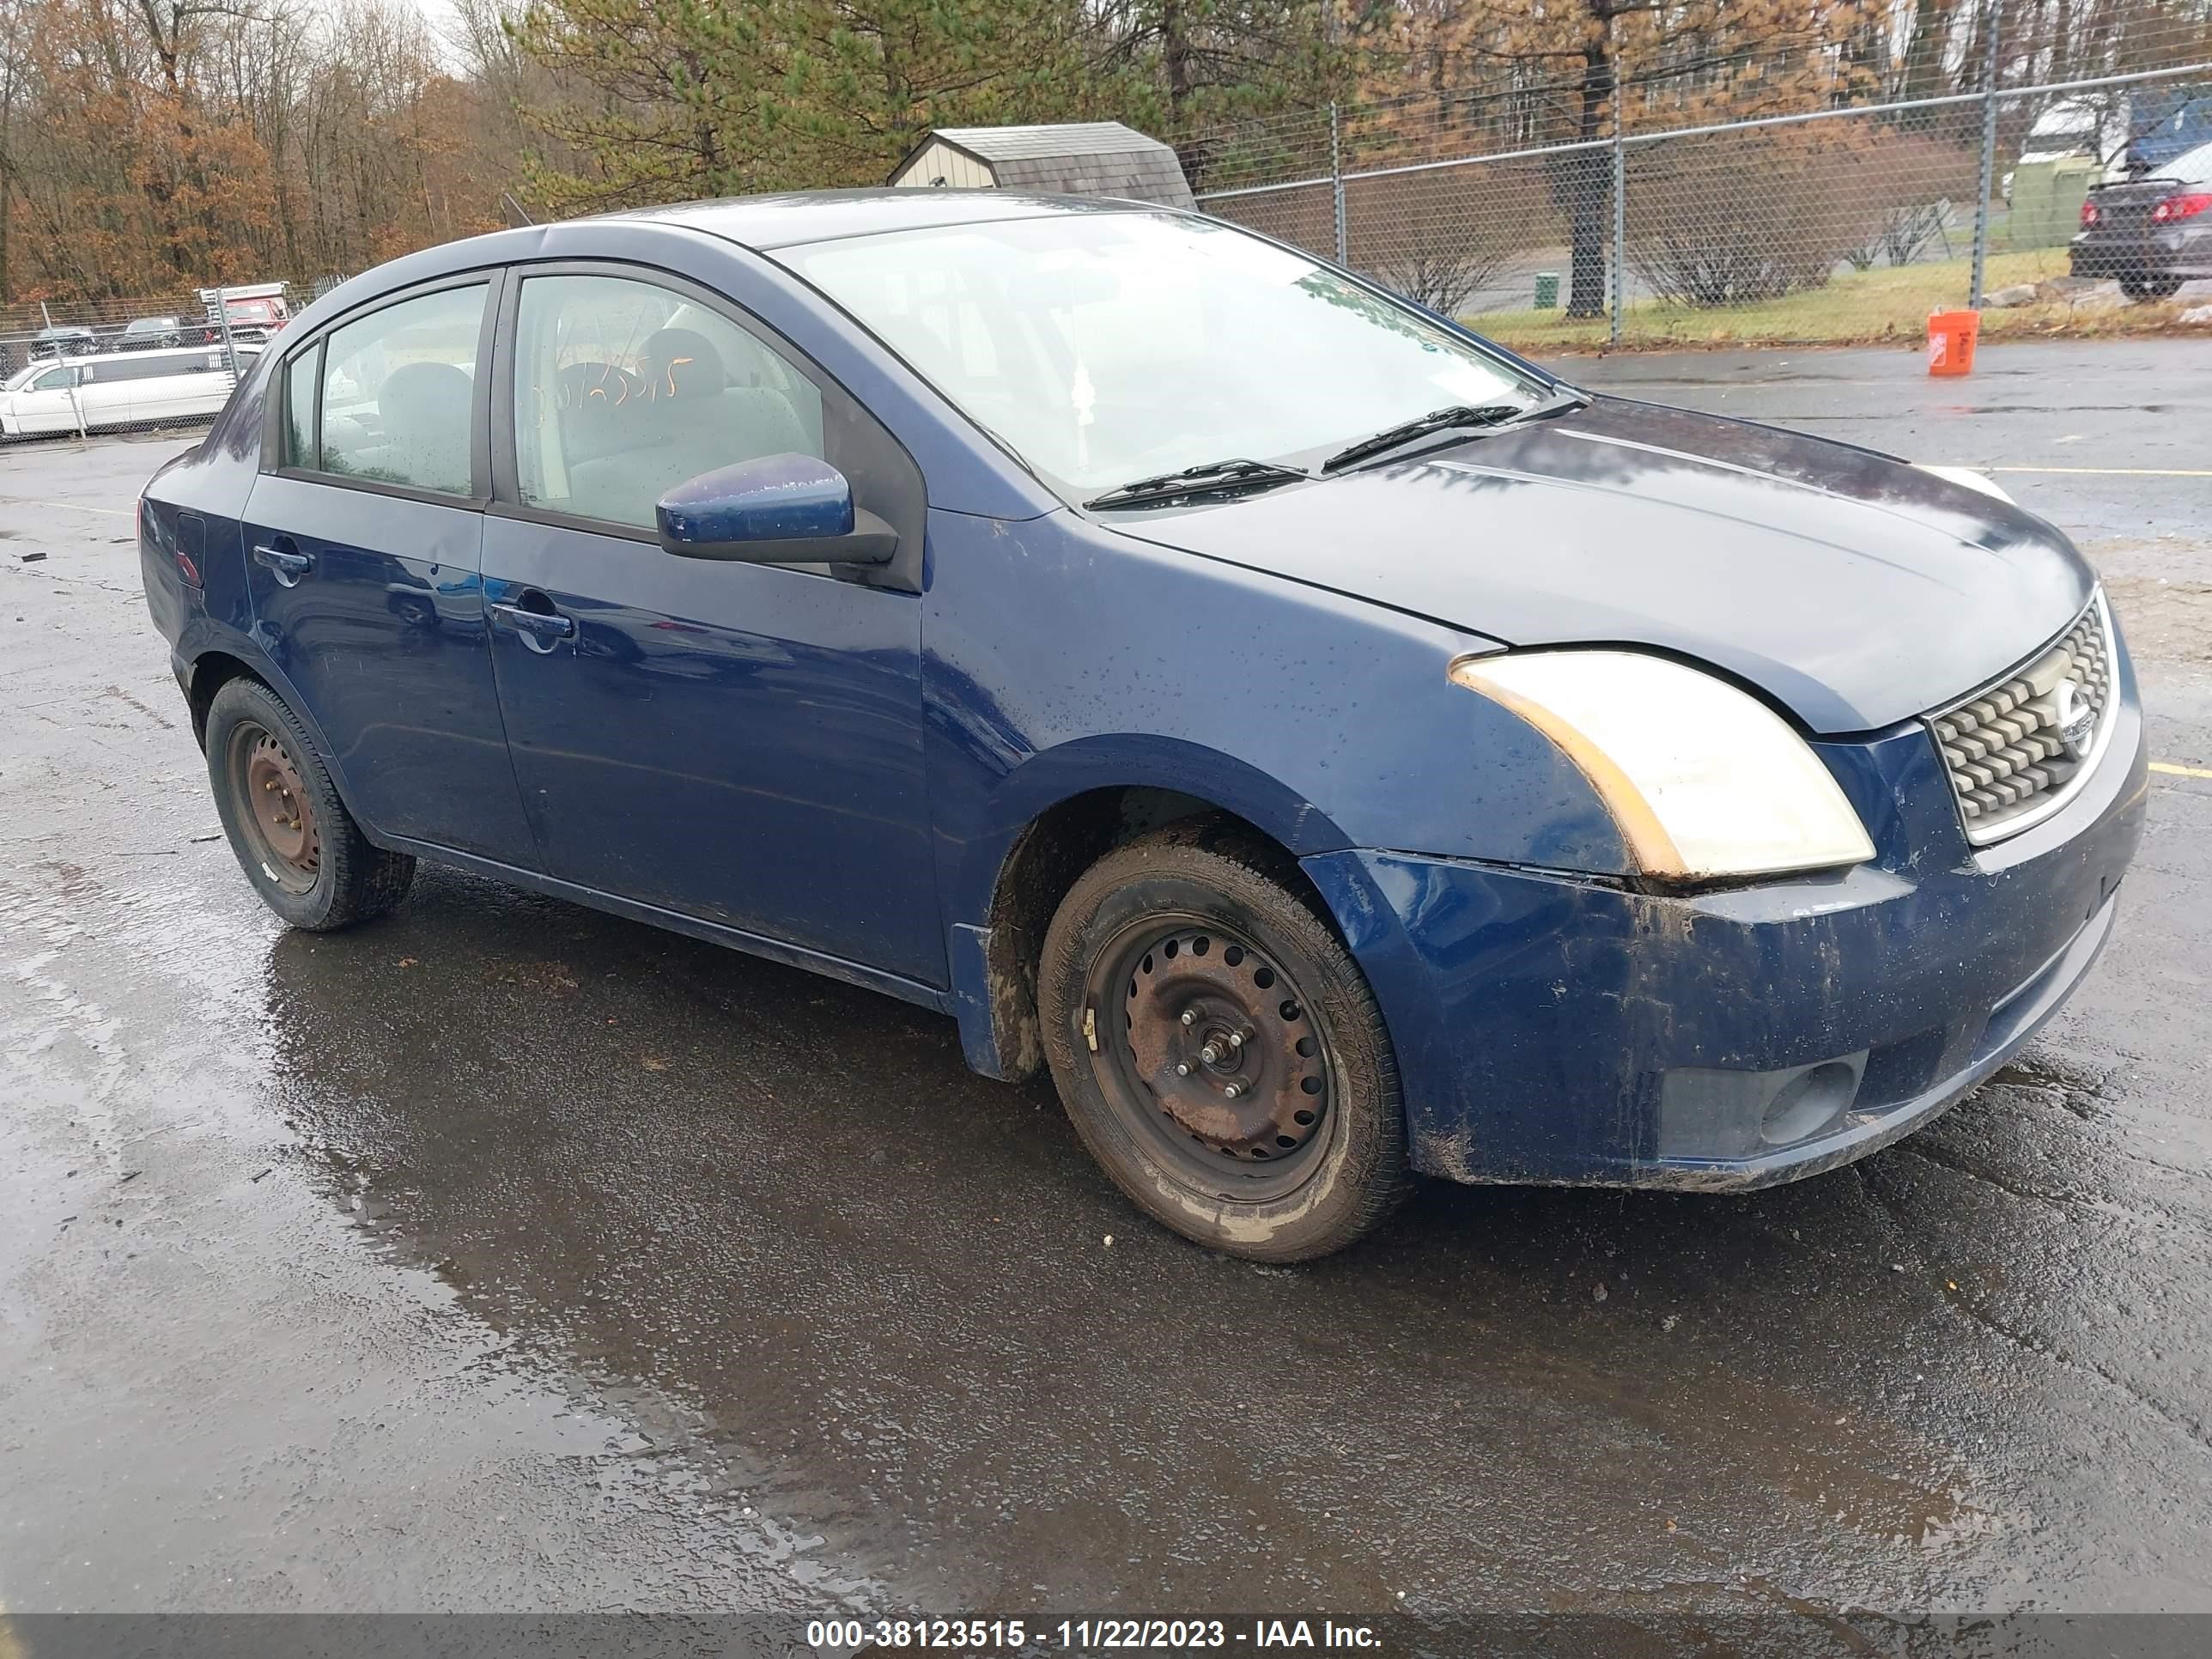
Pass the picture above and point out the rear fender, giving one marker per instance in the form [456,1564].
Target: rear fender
[198,652]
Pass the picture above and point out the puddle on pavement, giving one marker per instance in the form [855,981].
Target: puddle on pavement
[729,1186]
[772,1222]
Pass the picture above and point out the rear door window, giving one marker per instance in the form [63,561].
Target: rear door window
[398,393]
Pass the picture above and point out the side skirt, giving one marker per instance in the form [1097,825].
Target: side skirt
[714,933]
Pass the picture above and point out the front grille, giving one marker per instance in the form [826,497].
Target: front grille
[2009,761]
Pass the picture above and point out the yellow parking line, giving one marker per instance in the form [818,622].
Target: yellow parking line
[2169,768]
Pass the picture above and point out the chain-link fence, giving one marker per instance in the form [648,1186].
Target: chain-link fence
[77,368]
[1830,224]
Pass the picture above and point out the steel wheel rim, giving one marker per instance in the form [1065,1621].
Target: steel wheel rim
[278,812]
[1245,1119]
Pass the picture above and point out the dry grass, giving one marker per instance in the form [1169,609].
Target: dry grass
[1888,305]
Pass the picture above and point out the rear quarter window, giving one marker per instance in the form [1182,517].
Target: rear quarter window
[300,376]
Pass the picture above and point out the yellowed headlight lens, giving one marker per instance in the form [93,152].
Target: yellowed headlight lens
[1703,780]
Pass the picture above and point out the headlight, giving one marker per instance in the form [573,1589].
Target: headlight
[1972,479]
[1702,780]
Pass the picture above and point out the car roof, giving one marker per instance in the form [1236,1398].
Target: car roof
[821,215]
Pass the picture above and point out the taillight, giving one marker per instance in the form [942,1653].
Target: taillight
[2181,207]
[2088,214]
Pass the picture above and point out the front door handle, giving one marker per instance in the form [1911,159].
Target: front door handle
[541,627]
[288,564]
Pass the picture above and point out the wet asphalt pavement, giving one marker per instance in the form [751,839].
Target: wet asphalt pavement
[503,1255]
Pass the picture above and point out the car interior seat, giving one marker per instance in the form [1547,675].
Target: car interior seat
[690,421]
[424,409]
[596,405]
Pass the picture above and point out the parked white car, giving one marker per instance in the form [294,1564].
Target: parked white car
[114,390]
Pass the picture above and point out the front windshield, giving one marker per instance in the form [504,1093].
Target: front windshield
[1106,347]
[23,376]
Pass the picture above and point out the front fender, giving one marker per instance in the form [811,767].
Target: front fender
[1059,656]
[1131,760]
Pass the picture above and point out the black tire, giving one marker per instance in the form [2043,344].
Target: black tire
[315,869]
[2141,289]
[1314,1156]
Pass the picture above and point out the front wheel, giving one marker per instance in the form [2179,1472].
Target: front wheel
[1219,1050]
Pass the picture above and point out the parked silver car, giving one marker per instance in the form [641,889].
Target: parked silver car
[2153,234]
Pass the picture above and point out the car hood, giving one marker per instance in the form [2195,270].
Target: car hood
[1851,587]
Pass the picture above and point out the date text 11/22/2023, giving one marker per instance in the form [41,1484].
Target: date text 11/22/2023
[841,1636]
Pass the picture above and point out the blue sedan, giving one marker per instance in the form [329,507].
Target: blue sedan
[1338,749]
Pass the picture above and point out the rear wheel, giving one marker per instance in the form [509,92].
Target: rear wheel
[1219,1050]
[2150,288]
[294,838]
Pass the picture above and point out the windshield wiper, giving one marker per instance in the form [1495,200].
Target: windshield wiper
[1458,417]
[1213,479]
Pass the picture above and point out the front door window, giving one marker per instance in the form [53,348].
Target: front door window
[623,390]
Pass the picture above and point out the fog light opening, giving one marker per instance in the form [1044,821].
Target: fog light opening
[1808,1102]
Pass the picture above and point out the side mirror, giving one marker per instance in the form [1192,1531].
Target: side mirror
[778,509]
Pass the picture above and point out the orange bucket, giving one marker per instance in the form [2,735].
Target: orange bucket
[1951,336]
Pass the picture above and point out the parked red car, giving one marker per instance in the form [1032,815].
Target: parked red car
[258,318]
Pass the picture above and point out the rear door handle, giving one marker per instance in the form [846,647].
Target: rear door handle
[288,564]
[535,625]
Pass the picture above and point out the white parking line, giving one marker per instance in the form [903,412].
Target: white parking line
[71,507]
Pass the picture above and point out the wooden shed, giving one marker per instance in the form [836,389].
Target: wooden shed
[1075,158]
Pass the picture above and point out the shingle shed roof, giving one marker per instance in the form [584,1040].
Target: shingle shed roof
[1088,158]
[1061,138]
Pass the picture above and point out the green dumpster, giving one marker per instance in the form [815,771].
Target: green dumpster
[2046,200]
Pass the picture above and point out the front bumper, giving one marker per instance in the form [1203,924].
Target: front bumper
[1556,1030]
